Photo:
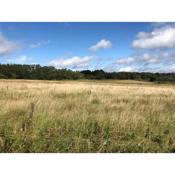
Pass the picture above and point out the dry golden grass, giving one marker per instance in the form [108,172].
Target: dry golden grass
[86,116]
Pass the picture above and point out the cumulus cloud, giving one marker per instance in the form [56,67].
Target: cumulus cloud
[125,60]
[145,57]
[20,60]
[142,58]
[148,58]
[6,46]
[75,62]
[156,52]
[38,44]
[126,69]
[145,62]
[163,37]
[161,57]
[102,44]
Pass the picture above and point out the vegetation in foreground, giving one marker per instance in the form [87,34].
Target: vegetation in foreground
[39,116]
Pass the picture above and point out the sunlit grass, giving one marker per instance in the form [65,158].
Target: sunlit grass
[90,116]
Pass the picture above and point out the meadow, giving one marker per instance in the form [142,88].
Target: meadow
[86,116]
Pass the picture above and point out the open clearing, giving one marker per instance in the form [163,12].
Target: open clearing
[86,116]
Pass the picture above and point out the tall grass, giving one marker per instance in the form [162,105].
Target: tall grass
[43,116]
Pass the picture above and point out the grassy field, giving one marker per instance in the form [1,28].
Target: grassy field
[86,116]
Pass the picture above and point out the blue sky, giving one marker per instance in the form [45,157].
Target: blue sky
[77,46]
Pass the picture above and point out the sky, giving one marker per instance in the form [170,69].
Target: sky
[115,46]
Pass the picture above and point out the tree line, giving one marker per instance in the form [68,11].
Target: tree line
[18,71]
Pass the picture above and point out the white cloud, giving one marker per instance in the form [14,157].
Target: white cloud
[102,44]
[163,37]
[73,62]
[35,45]
[160,61]
[20,60]
[125,60]
[126,69]
[149,58]
[6,46]
[144,58]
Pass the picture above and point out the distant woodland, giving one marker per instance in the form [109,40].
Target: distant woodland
[18,71]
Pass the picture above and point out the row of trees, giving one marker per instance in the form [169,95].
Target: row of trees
[17,71]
